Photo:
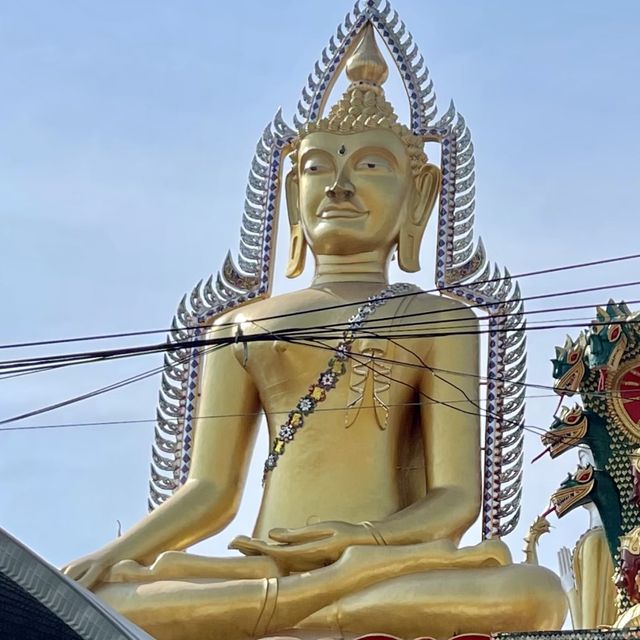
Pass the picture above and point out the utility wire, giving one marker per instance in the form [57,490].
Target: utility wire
[499,316]
[422,364]
[480,413]
[94,356]
[96,392]
[45,364]
[220,416]
[127,334]
[504,315]
[482,380]
[582,319]
[180,345]
[534,429]
[427,399]
[84,358]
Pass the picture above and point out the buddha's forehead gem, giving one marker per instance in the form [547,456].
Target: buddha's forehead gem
[342,150]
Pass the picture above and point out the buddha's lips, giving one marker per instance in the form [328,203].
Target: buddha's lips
[327,214]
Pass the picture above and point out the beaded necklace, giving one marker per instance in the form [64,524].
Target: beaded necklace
[327,380]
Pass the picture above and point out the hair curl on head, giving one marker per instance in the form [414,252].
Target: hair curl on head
[363,107]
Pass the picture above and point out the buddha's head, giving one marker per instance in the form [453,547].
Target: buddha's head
[360,180]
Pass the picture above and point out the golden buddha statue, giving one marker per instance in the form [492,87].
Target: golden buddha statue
[587,572]
[587,577]
[370,482]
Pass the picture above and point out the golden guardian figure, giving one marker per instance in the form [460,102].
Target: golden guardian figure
[370,393]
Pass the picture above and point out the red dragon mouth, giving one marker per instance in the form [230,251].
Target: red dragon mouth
[564,499]
[569,383]
[559,440]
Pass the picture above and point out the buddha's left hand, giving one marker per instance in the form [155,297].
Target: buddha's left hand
[310,547]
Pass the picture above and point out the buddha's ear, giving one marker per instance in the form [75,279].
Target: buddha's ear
[427,184]
[297,242]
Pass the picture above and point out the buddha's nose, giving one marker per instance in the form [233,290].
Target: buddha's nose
[340,190]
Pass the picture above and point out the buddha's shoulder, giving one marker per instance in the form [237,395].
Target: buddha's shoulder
[268,308]
[308,300]
[436,303]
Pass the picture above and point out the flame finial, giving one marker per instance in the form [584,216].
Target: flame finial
[366,64]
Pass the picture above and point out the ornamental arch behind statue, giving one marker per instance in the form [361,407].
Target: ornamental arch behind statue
[461,271]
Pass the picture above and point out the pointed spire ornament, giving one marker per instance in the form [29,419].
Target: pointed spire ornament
[366,65]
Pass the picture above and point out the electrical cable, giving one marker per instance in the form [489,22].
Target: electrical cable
[94,356]
[528,274]
[175,346]
[84,359]
[480,413]
[96,392]
[449,403]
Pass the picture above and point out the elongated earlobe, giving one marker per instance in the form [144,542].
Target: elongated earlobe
[409,248]
[297,241]
[297,252]
[412,230]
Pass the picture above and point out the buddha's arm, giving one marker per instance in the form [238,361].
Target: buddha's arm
[451,436]
[209,499]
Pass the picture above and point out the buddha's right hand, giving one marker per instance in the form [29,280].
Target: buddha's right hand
[565,563]
[89,570]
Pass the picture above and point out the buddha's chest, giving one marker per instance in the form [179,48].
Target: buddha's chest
[338,368]
[272,362]
[315,372]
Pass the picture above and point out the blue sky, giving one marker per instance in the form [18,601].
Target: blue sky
[126,134]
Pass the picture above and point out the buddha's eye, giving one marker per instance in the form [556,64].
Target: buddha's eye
[315,166]
[376,164]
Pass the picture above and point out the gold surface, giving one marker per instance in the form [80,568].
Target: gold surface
[358,526]
[594,601]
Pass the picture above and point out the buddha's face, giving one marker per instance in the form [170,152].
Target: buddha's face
[354,190]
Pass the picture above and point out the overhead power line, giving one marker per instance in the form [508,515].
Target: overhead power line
[28,365]
[23,366]
[363,361]
[91,394]
[33,365]
[219,416]
[128,334]
[451,403]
